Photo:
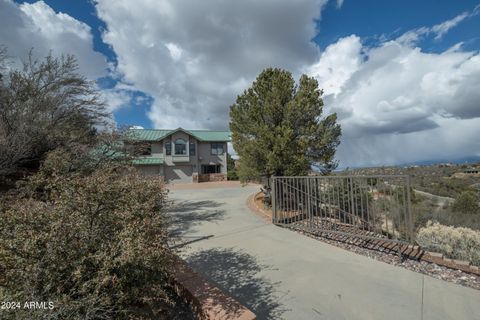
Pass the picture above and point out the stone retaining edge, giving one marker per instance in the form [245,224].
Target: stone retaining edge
[206,300]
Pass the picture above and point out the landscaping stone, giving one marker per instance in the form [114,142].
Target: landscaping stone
[436,254]
[462,262]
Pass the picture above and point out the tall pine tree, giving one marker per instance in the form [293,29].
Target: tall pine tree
[278,129]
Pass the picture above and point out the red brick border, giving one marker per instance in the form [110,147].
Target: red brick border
[206,300]
[209,177]
[252,204]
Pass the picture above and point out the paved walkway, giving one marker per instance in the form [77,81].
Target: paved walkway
[280,274]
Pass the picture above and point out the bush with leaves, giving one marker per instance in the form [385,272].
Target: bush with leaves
[467,203]
[456,243]
[92,239]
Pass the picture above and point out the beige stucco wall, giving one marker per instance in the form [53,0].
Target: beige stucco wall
[206,156]
[203,155]
[157,148]
[186,160]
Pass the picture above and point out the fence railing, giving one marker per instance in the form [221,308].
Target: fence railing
[368,207]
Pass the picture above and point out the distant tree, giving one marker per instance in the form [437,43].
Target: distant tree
[43,106]
[467,202]
[278,129]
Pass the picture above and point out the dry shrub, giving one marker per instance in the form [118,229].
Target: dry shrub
[94,244]
[457,243]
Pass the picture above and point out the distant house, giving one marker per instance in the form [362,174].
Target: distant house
[471,170]
[182,156]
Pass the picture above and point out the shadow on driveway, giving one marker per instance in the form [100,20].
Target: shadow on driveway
[184,215]
[237,273]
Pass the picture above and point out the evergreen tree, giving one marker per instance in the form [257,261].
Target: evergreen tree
[278,129]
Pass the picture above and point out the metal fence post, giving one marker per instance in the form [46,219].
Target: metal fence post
[309,204]
[274,199]
[409,212]
[352,196]
[369,206]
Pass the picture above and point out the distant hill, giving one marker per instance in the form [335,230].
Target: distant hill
[463,160]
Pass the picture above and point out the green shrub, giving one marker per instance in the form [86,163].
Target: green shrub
[232,175]
[457,243]
[94,244]
[467,203]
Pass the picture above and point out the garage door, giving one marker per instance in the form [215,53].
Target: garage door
[178,174]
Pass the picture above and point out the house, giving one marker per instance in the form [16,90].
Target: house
[181,156]
[471,170]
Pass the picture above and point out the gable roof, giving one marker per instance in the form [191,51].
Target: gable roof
[158,134]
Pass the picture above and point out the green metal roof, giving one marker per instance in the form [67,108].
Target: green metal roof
[158,134]
[148,160]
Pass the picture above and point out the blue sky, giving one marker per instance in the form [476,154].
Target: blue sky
[370,19]
[401,75]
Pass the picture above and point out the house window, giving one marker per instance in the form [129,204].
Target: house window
[180,147]
[207,168]
[145,150]
[168,148]
[217,148]
[193,148]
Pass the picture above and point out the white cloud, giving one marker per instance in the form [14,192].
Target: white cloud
[194,57]
[37,26]
[116,98]
[399,104]
[340,3]
[396,103]
[412,37]
[442,28]
[175,51]
[337,64]
[456,47]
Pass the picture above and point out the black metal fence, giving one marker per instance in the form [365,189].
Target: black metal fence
[368,207]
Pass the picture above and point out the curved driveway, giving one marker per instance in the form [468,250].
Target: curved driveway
[280,274]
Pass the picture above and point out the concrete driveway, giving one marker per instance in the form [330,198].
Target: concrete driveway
[279,274]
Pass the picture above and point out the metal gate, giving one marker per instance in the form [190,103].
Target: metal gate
[366,207]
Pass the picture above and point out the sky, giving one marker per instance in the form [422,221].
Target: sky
[402,76]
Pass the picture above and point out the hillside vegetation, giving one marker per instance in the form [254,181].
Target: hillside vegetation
[445,207]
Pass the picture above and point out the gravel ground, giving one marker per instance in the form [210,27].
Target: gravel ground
[391,257]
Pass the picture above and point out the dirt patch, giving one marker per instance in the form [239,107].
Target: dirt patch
[255,204]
